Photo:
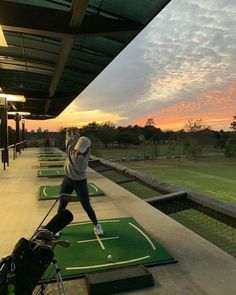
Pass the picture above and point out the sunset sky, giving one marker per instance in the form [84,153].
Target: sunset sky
[181,66]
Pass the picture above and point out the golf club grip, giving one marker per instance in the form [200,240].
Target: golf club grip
[59,221]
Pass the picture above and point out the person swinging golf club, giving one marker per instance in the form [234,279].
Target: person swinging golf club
[78,153]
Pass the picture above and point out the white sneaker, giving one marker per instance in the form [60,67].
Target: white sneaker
[98,230]
[57,235]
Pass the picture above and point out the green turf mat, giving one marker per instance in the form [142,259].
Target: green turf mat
[51,155]
[49,150]
[51,172]
[124,239]
[52,158]
[51,163]
[49,192]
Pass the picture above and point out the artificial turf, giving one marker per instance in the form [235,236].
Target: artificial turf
[213,176]
[51,172]
[124,239]
[49,192]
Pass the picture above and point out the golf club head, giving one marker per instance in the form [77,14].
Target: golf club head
[43,234]
[39,246]
[62,243]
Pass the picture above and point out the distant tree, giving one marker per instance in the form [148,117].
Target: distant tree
[90,129]
[158,135]
[195,125]
[233,124]
[150,122]
[230,146]
[221,138]
[107,133]
[197,133]
[124,137]
[205,137]
[192,149]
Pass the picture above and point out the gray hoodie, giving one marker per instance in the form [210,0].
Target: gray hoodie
[75,165]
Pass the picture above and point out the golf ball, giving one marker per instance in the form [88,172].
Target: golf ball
[109,257]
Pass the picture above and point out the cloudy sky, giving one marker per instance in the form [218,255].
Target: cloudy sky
[181,66]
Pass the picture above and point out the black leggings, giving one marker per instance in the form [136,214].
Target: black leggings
[81,189]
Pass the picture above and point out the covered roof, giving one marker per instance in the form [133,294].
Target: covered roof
[56,48]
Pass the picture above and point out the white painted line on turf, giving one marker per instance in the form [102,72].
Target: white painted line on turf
[100,242]
[95,240]
[110,220]
[89,222]
[40,172]
[107,264]
[145,236]
[44,191]
[96,190]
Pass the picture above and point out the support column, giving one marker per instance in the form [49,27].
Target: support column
[23,131]
[4,131]
[17,119]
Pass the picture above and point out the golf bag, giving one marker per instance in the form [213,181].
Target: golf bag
[22,271]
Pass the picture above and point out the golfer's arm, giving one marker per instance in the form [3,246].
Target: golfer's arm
[68,140]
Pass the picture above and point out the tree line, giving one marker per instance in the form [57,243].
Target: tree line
[193,137]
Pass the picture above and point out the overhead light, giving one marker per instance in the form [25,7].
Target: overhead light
[12,97]
[20,113]
[3,41]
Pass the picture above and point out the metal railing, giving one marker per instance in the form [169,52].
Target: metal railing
[16,148]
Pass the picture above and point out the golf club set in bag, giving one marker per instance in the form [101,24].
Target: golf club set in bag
[23,270]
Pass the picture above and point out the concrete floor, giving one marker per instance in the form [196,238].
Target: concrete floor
[202,268]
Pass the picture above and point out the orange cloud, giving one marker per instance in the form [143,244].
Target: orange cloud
[71,117]
[215,106]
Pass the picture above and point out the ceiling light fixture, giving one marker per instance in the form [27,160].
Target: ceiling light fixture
[12,97]
[20,113]
[3,41]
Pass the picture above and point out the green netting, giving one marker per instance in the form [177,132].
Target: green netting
[124,239]
[128,182]
[218,228]
[140,190]
[49,192]
[115,176]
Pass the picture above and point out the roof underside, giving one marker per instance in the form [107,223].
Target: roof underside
[56,48]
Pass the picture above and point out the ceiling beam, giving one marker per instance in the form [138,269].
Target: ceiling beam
[66,45]
[78,11]
[51,23]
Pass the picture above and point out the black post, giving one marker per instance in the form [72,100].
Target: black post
[17,119]
[4,131]
[23,132]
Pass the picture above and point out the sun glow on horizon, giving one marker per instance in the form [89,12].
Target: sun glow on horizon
[71,117]
[216,107]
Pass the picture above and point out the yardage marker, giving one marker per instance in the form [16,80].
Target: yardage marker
[138,229]
[107,264]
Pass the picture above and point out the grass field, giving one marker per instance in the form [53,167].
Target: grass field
[214,176]
[165,150]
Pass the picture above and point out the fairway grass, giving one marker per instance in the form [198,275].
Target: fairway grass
[214,176]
